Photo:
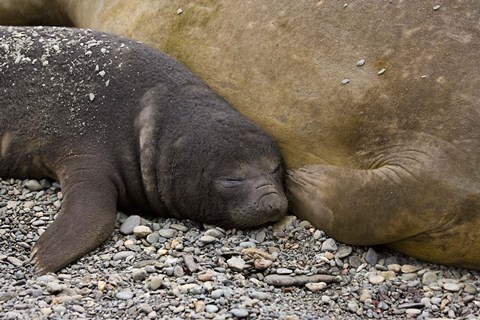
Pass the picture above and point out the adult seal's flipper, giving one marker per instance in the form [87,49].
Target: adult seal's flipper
[87,218]
[361,207]
[414,196]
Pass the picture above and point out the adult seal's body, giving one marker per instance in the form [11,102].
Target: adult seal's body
[118,122]
[393,152]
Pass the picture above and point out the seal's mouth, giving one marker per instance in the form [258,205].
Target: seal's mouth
[270,208]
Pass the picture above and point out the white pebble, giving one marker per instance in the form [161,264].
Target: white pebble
[360,62]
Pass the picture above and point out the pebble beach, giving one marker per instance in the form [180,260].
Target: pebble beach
[156,268]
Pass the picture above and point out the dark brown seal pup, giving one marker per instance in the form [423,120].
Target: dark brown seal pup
[119,123]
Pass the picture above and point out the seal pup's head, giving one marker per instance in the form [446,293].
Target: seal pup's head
[218,167]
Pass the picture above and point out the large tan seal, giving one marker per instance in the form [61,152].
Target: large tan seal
[393,154]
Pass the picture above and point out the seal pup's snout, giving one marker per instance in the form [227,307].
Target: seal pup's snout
[272,202]
[251,201]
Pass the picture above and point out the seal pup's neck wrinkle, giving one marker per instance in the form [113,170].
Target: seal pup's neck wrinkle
[146,124]
[5,142]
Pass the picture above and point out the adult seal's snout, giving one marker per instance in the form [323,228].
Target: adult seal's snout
[122,125]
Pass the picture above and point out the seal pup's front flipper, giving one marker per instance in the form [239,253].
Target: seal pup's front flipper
[86,219]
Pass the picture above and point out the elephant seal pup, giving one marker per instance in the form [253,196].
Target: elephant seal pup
[121,124]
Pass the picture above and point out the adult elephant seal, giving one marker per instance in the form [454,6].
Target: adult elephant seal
[392,155]
[119,123]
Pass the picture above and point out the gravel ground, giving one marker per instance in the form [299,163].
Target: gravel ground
[170,269]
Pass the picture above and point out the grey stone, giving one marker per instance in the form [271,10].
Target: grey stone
[145,308]
[141,231]
[329,245]
[383,305]
[315,286]
[260,236]
[343,252]
[239,313]
[190,263]
[453,287]
[284,271]
[46,278]
[179,227]
[211,308]
[178,271]
[371,256]
[78,308]
[278,280]
[413,312]
[129,224]
[260,295]
[352,306]
[429,277]
[236,264]
[216,294]
[15,261]
[214,233]
[122,255]
[33,185]
[54,287]
[208,239]
[124,295]
[167,233]
[5,296]
[139,274]
[153,238]
[13,315]
[155,282]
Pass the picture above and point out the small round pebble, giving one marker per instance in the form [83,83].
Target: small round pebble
[167,233]
[376,279]
[208,239]
[329,245]
[141,231]
[239,313]
[129,224]
[413,312]
[315,286]
[284,271]
[122,255]
[211,308]
[124,295]
[236,263]
[453,287]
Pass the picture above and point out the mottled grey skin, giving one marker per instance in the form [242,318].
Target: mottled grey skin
[121,124]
